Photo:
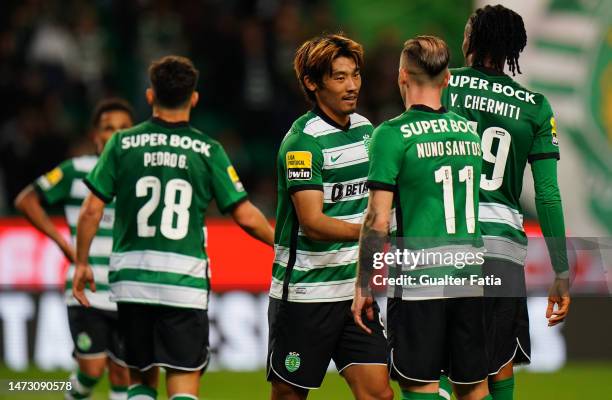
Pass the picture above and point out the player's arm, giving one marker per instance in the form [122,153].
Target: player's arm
[101,182]
[318,226]
[89,220]
[386,155]
[252,220]
[301,161]
[232,198]
[550,216]
[374,234]
[543,157]
[29,203]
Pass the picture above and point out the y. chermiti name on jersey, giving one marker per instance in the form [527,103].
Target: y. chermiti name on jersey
[487,104]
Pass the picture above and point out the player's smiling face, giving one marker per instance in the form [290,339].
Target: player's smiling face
[338,95]
[110,122]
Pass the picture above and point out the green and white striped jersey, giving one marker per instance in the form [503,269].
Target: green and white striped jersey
[316,154]
[64,185]
[516,126]
[163,176]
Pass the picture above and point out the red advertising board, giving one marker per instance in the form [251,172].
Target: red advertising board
[238,262]
[28,259]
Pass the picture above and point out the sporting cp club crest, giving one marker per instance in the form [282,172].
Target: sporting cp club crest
[83,341]
[366,142]
[292,362]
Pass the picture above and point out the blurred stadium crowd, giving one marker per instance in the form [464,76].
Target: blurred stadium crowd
[59,57]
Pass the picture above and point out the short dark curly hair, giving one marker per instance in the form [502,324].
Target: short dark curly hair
[110,104]
[498,33]
[173,79]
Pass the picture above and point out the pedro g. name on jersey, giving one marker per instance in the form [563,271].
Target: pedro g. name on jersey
[165,158]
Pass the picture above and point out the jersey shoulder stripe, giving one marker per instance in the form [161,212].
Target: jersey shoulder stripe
[84,164]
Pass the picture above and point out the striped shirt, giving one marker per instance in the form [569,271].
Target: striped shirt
[64,185]
[316,154]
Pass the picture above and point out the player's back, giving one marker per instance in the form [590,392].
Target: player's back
[438,171]
[516,125]
[431,160]
[164,175]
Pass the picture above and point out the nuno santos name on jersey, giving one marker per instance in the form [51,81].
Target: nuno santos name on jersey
[164,158]
[442,148]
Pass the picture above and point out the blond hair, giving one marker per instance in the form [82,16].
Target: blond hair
[426,59]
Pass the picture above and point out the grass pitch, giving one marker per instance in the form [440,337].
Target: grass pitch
[574,381]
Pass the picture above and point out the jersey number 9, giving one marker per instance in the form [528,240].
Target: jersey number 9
[498,160]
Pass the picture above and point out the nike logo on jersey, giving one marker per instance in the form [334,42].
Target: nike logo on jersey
[334,159]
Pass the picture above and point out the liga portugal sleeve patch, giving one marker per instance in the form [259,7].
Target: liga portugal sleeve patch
[51,178]
[233,175]
[299,165]
[553,130]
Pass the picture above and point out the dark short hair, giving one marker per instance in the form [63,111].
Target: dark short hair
[498,33]
[173,79]
[426,58]
[110,104]
[314,58]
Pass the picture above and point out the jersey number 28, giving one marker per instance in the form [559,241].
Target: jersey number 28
[177,199]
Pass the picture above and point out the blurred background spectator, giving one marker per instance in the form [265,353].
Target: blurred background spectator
[57,58]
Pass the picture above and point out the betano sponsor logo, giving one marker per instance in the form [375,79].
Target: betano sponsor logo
[348,190]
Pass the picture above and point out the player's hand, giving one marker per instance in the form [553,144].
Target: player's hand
[559,295]
[83,274]
[360,304]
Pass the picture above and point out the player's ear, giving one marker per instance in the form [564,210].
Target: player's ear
[195,97]
[402,76]
[446,79]
[309,83]
[150,95]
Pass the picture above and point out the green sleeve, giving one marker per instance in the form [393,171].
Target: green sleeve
[54,186]
[226,186]
[301,159]
[550,213]
[545,142]
[386,156]
[102,179]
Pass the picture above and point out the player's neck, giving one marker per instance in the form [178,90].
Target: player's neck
[487,63]
[340,119]
[426,96]
[178,115]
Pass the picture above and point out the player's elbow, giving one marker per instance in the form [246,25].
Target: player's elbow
[310,230]
[89,213]
[377,221]
[246,215]
[26,196]
[18,203]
